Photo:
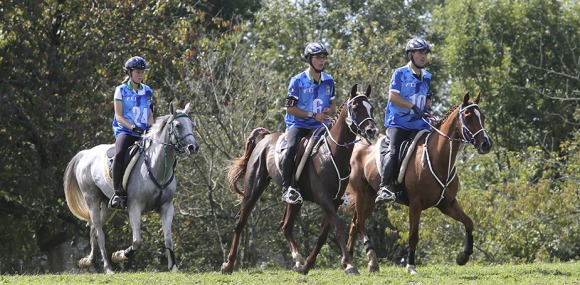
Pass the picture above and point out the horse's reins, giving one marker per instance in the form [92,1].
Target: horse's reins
[350,120]
[177,146]
[451,169]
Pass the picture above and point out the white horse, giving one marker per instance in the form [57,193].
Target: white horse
[151,185]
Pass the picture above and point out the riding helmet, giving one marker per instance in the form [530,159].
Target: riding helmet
[136,62]
[417,44]
[313,49]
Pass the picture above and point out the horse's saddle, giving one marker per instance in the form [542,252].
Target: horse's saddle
[405,151]
[308,147]
[131,157]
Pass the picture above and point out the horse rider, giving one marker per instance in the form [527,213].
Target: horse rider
[133,103]
[309,104]
[409,102]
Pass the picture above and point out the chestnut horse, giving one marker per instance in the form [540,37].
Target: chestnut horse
[323,179]
[430,179]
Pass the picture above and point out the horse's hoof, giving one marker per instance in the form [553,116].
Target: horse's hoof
[352,271]
[174,268]
[300,269]
[411,269]
[226,269]
[109,271]
[373,262]
[85,262]
[119,256]
[462,258]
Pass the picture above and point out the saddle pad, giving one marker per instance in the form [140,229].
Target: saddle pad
[306,149]
[405,161]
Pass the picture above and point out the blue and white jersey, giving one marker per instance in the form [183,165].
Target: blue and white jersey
[136,107]
[413,90]
[311,97]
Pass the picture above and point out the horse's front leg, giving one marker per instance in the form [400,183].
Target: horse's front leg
[286,226]
[135,221]
[331,218]
[455,211]
[364,206]
[414,219]
[167,212]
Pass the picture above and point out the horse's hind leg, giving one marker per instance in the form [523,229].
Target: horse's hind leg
[286,226]
[254,187]
[97,218]
[87,261]
[455,211]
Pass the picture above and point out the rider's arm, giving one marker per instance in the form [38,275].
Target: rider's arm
[396,99]
[119,115]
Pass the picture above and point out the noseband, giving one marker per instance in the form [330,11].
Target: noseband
[468,136]
[175,140]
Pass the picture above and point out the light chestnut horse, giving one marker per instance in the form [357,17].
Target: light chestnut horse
[430,179]
[150,186]
[323,179]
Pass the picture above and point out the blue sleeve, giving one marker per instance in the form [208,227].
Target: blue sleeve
[294,87]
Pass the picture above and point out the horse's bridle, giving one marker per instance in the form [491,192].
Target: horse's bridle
[175,140]
[177,147]
[466,135]
[451,170]
[465,130]
[350,120]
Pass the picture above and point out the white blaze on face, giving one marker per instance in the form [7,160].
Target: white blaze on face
[478,114]
[368,106]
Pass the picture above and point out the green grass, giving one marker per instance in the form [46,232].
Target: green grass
[537,273]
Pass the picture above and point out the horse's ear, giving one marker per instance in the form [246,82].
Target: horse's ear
[368,92]
[478,98]
[186,110]
[353,90]
[171,107]
[466,99]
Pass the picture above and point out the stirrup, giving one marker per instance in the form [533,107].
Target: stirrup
[292,196]
[385,193]
[116,202]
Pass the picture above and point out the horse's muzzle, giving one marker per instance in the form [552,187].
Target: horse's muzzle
[484,146]
[193,148]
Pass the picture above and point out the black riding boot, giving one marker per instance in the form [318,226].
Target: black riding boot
[384,192]
[119,198]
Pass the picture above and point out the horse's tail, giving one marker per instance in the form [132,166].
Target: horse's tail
[74,197]
[237,168]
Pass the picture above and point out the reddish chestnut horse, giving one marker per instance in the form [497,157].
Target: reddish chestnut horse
[430,179]
[323,179]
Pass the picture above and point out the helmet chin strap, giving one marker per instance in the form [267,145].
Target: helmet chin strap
[415,64]
[317,70]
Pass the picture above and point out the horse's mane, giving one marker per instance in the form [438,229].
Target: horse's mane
[446,116]
[333,121]
[157,129]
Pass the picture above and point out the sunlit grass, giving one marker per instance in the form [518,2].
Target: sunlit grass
[537,273]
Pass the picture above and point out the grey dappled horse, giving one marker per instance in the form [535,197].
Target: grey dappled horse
[151,186]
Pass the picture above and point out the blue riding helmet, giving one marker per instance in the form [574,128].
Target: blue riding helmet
[417,44]
[314,48]
[136,62]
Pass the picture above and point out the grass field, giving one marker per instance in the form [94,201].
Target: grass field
[537,273]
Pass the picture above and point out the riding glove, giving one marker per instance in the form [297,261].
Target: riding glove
[138,130]
[418,111]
